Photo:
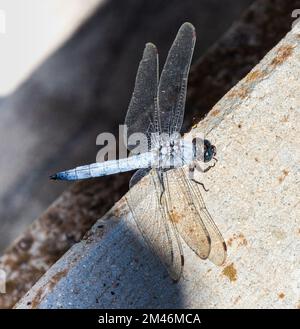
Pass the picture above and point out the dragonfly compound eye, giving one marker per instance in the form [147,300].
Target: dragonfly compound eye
[209,150]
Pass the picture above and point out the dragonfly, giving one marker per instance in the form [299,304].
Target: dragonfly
[164,198]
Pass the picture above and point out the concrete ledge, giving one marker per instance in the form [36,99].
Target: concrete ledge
[64,223]
[252,197]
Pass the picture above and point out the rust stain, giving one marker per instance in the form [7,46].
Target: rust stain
[281,295]
[283,176]
[36,300]
[238,92]
[122,207]
[41,292]
[285,118]
[57,277]
[237,300]
[175,217]
[230,272]
[239,239]
[117,212]
[254,75]
[215,112]
[283,53]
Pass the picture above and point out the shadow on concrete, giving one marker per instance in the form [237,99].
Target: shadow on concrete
[116,272]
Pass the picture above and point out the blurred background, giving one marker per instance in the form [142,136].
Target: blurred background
[67,71]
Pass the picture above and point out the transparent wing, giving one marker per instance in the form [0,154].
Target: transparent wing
[192,219]
[138,175]
[151,218]
[218,249]
[141,116]
[173,81]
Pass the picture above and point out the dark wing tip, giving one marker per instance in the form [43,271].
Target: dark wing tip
[150,45]
[187,26]
[54,177]
[150,48]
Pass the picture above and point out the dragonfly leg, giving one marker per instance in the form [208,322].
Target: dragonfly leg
[162,184]
[191,176]
[191,171]
[200,183]
[161,195]
[209,167]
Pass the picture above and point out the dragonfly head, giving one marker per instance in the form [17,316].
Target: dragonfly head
[203,149]
[209,150]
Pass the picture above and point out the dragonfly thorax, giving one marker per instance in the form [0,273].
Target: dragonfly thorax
[168,151]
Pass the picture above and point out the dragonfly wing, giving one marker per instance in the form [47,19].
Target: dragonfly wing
[193,221]
[141,116]
[218,246]
[152,221]
[183,213]
[138,175]
[173,81]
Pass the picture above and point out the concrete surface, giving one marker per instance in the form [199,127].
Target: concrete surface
[253,197]
[64,223]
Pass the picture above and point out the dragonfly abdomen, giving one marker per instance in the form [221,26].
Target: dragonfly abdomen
[110,167]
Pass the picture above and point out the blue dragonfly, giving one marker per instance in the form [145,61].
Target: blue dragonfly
[164,198]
